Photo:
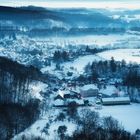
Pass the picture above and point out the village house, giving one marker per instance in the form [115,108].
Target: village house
[89,90]
[64,97]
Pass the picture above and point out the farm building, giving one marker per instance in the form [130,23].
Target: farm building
[90,90]
[64,97]
[116,101]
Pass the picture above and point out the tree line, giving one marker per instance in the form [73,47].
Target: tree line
[17,108]
[129,73]
[14,118]
[60,56]
[14,81]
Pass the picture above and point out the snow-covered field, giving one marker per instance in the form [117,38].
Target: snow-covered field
[80,63]
[77,66]
[127,115]
[129,55]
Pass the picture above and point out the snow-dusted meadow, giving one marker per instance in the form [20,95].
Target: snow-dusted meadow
[127,115]
[129,55]
[80,63]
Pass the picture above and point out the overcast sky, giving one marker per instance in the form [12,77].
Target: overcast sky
[129,4]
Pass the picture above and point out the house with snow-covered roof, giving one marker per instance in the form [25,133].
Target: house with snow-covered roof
[89,90]
[64,97]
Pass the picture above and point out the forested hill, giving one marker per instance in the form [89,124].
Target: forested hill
[25,13]
[16,69]
[18,109]
[36,20]
[48,18]
[14,81]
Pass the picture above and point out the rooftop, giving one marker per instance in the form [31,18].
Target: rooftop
[90,86]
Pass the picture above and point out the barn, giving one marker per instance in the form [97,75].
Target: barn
[116,101]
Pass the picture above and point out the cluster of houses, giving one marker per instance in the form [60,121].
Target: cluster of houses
[91,95]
